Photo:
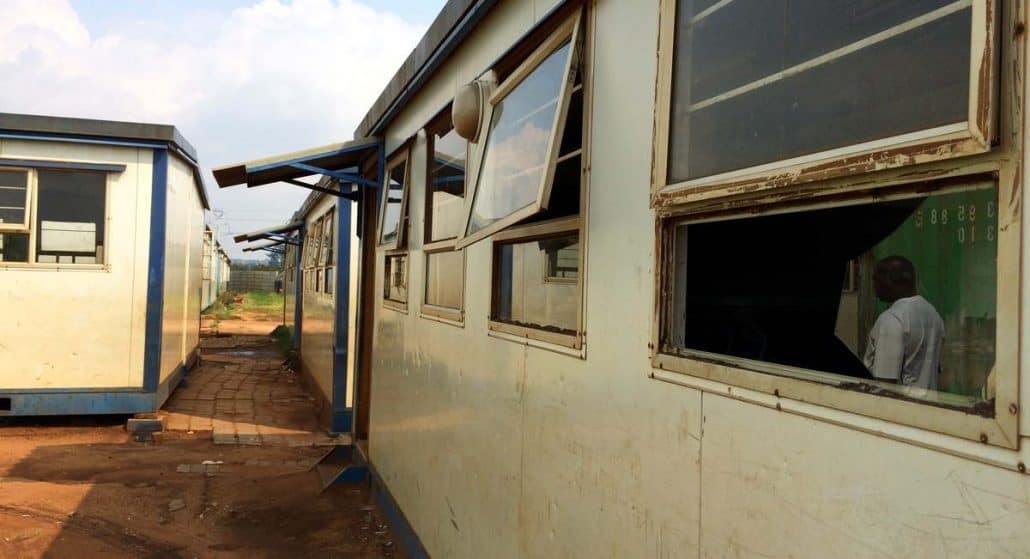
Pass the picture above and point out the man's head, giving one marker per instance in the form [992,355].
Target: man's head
[894,278]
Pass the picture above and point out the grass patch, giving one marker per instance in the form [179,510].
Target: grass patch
[283,339]
[257,306]
[268,306]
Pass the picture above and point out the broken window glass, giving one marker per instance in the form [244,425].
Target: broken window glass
[898,294]
[760,81]
[70,217]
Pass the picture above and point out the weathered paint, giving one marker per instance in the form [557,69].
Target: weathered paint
[497,449]
[183,247]
[127,360]
[42,305]
[327,329]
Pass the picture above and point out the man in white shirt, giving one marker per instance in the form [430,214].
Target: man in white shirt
[905,342]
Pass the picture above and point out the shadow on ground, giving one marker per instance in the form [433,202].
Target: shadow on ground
[79,487]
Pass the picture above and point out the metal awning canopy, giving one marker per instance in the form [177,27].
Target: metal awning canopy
[339,161]
[270,247]
[276,233]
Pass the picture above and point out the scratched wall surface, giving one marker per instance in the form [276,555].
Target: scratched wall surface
[42,340]
[496,449]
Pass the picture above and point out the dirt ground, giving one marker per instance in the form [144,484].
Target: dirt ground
[79,487]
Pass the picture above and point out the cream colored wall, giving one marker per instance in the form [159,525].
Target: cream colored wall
[495,449]
[316,344]
[183,250]
[82,328]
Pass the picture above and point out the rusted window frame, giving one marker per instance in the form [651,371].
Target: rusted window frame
[29,227]
[946,142]
[570,30]
[1004,425]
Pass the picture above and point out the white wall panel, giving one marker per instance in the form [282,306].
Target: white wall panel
[82,328]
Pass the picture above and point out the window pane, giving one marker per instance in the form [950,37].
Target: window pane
[761,81]
[395,286]
[327,240]
[902,291]
[525,292]
[394,199]
[516,145]
[13,193]
[70,220]
[447,185]
[445,277]
[14,247]
[329,286]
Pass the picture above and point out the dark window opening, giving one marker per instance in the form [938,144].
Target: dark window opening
[70,217]
[904,291]
[5,404]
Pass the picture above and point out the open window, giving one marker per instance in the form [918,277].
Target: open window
[764,94]
[393,218]
[447,155]
[522,143]
[896,294]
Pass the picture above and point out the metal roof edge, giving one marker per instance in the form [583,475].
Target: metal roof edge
[73,127]
[453,24]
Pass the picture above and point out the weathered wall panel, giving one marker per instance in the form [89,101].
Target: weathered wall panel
[317,326]
[780,485]
[183,248]
[495,449]
[42,340]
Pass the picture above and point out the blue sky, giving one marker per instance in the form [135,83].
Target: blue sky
[241,79]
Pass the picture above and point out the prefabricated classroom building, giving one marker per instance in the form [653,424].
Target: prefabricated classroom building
[101,234]
[215,269]
[611,289]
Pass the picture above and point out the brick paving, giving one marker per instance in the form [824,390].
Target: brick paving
[243,394]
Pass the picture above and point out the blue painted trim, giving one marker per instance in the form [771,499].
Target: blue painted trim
[306,158]
[458,33]
[156,272]
[37,164]
[338,175]
[83,140]
[78,403]
[96,401]
[343,417]
[403,532]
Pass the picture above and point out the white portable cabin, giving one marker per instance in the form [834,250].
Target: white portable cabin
[100,264]
[646,322]
[215,269]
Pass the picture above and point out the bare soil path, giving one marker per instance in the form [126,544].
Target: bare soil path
[79,487]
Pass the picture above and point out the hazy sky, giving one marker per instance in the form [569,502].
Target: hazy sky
[241,79]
